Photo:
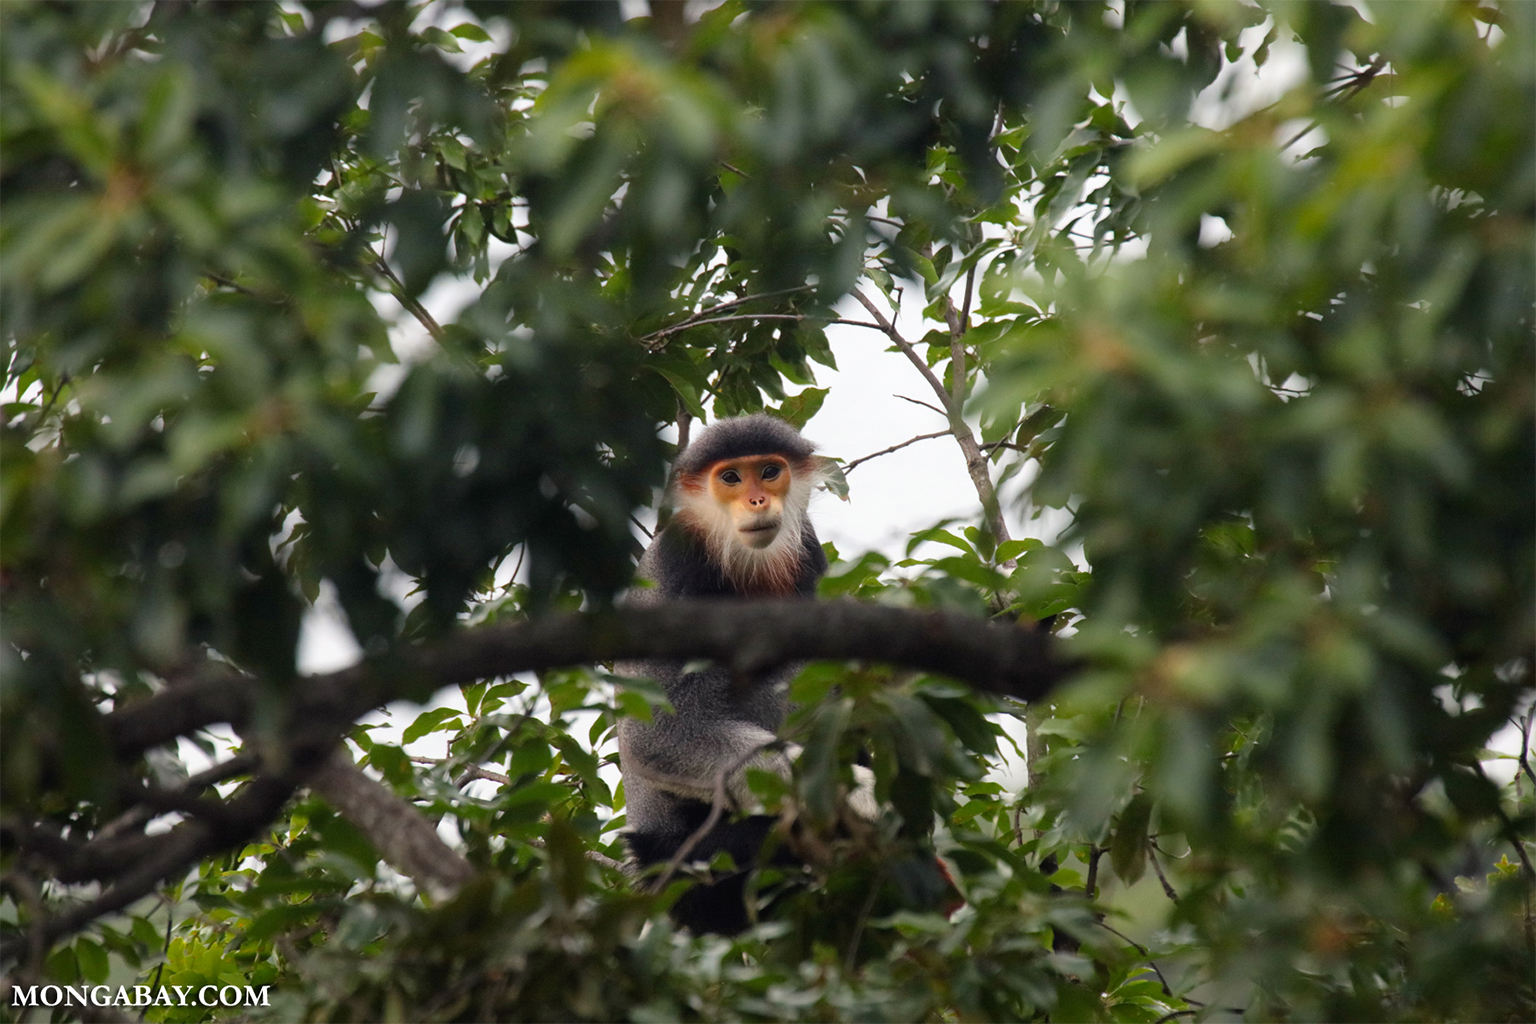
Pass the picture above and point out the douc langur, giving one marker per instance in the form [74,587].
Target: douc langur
[739,529]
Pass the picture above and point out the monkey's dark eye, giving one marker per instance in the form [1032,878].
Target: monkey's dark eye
[770,472]
[730,476]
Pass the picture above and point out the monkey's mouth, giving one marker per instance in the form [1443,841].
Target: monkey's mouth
[759,533]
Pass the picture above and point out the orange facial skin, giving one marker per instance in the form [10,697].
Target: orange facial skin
[753,489]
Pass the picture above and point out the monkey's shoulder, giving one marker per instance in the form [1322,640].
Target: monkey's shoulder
[679,564]
[813,562]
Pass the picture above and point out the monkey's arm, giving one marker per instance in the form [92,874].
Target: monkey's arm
[686,756]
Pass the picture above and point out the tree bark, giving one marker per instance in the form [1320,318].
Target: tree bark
[749,637]
[297,729]
[406,840]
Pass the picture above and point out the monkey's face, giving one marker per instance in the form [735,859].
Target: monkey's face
[753,490]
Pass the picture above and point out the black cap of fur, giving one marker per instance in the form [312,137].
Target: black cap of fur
[737,438]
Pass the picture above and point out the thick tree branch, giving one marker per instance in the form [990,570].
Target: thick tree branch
[142,814]
[747,636]
[171,854]
[121,843]
[406,840]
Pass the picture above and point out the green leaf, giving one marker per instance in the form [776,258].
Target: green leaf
[544,794]
[832,477]
[435,720]
[798,409]
[1011,550]
[145,933]
[924,267]
[881,279]
[472,32]
[971,726]
[441,39]
[92,958]
[818,765]
[938,535]
[62,967]
[687,379]
[278,920]
[1128,847]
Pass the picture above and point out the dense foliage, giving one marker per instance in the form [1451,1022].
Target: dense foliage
[1280,371]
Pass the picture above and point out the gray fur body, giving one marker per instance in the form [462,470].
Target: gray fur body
[679,754]
[670,765]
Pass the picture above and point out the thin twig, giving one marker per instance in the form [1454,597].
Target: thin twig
[58,389]
[925,405]
[975,461]
[522,550]
[1168,890]
[170,921]
[1508,827]
[1144,951]
[1360,81]
[716,812]
[908,350]
[240,764]
[605,860]
[469,774]
[226,282]
[591,855]
[1524,725]
[1092,885]
[397,289]
[1355,79]
[718,307]
[661,337]
[473,772]
[893,448]
[965,311]
[730,319]
[858,929]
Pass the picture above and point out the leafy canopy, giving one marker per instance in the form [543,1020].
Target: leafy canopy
[1277,367]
